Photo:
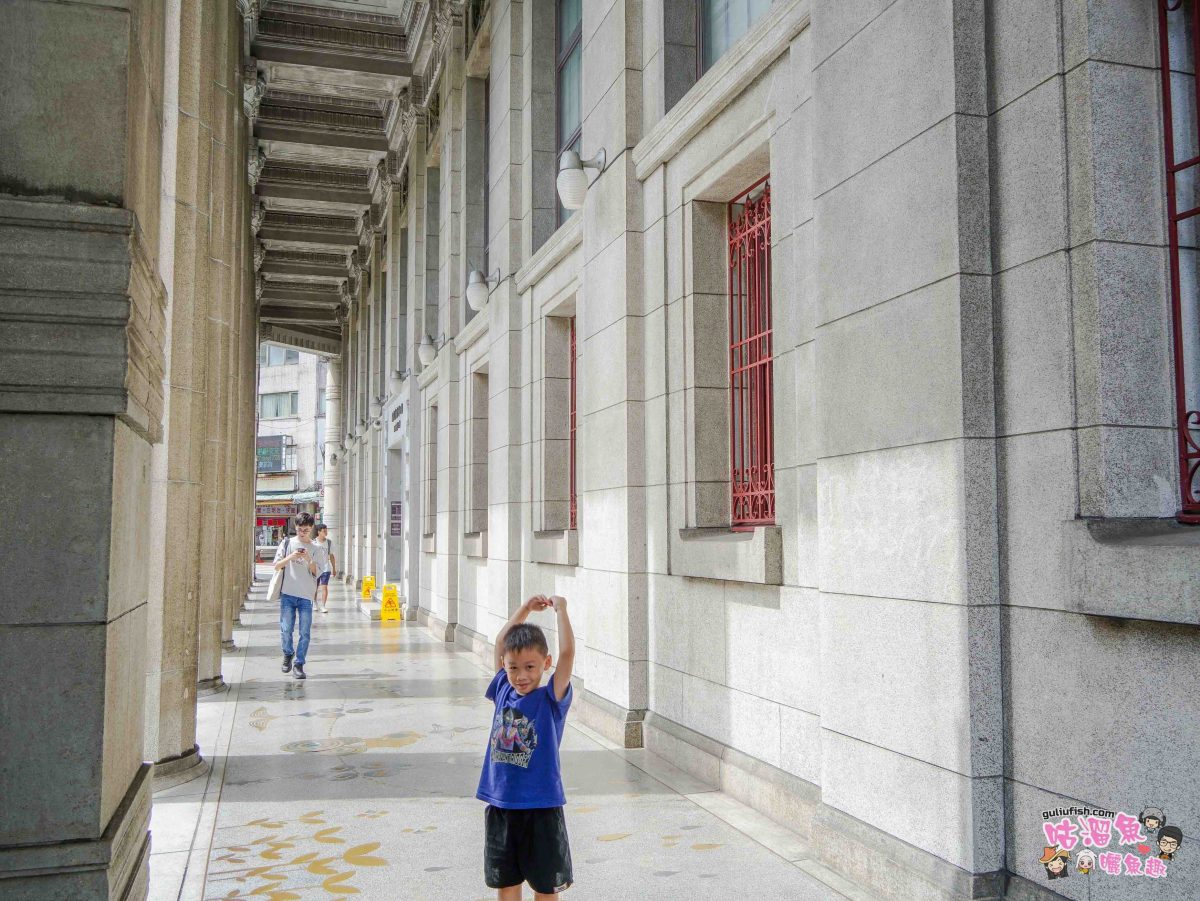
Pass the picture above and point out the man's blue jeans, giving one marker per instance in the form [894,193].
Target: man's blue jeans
[289,606]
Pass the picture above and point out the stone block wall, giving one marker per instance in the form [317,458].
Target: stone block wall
[1097,583]
[972,411]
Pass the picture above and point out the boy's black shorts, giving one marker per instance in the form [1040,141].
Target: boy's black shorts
[527,846]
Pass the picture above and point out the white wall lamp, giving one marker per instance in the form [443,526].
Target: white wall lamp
[429,349]
[479,288]
[572,180]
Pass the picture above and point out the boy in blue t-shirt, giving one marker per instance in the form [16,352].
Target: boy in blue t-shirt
[521,782]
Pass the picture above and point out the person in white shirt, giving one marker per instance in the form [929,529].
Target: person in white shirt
[327,564]
[296,596]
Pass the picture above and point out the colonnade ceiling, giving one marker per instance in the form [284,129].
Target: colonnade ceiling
[331,93]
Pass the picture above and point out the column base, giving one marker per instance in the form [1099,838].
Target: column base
[440,630]
[172,771]
[213,686]
[474,642]
[842,845]
[112,866]
[618,725]
[229,644]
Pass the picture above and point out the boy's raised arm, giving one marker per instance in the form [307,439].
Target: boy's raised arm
[566,648]
[537,602]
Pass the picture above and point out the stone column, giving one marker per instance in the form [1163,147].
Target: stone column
[505,415]
[906,508]
[334,462]
[83,318]
[229,109]
[212,539]
[175,572]
[611,490]
[375,433]
[353,508]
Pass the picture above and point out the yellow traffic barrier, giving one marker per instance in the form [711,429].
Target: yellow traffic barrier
[368,586]
[390,611]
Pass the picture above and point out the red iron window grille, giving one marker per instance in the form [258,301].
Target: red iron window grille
[572,408]
[752,444]
[1185,300]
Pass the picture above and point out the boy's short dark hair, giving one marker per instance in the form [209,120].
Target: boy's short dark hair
[321,527]
[304,519]
[523,636]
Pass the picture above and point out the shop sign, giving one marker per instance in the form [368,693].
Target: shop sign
[276,509]
[269,453]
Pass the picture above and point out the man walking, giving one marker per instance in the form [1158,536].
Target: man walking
[297,593]
[326,565]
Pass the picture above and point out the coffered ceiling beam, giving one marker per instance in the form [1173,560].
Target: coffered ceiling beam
[327,342]
[280,295]
[315,237]
[336,60]
[295,191]
[269,131]
[298,316]
[290,267]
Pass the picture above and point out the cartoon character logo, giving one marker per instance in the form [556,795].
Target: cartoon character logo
[513,738]
[1152,818]
[1085,862]
[1169,840]
[1055,860]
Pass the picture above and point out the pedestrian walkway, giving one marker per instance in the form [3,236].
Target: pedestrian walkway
[360,782]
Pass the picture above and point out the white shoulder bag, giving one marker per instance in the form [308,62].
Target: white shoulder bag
[276,587]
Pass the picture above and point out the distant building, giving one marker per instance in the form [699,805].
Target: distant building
[290,450]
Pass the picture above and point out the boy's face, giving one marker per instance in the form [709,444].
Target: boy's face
[525,668]
[1168,845]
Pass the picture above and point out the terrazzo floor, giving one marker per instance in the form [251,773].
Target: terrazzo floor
[359,783]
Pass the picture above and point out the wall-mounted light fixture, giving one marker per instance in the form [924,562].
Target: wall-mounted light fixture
[478,288]
[572,180]
[429,348]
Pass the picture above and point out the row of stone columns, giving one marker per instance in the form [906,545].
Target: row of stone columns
[205,464]
[127,420]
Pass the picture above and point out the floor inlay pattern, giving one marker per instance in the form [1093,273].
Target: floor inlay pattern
[360,781]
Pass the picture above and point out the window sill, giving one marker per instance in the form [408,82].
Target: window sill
[429,543]
[1134,569]
[558,246]
[721,553]
[560,546]
[475,544]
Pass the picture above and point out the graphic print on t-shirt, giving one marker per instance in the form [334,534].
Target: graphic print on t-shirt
[513,738]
